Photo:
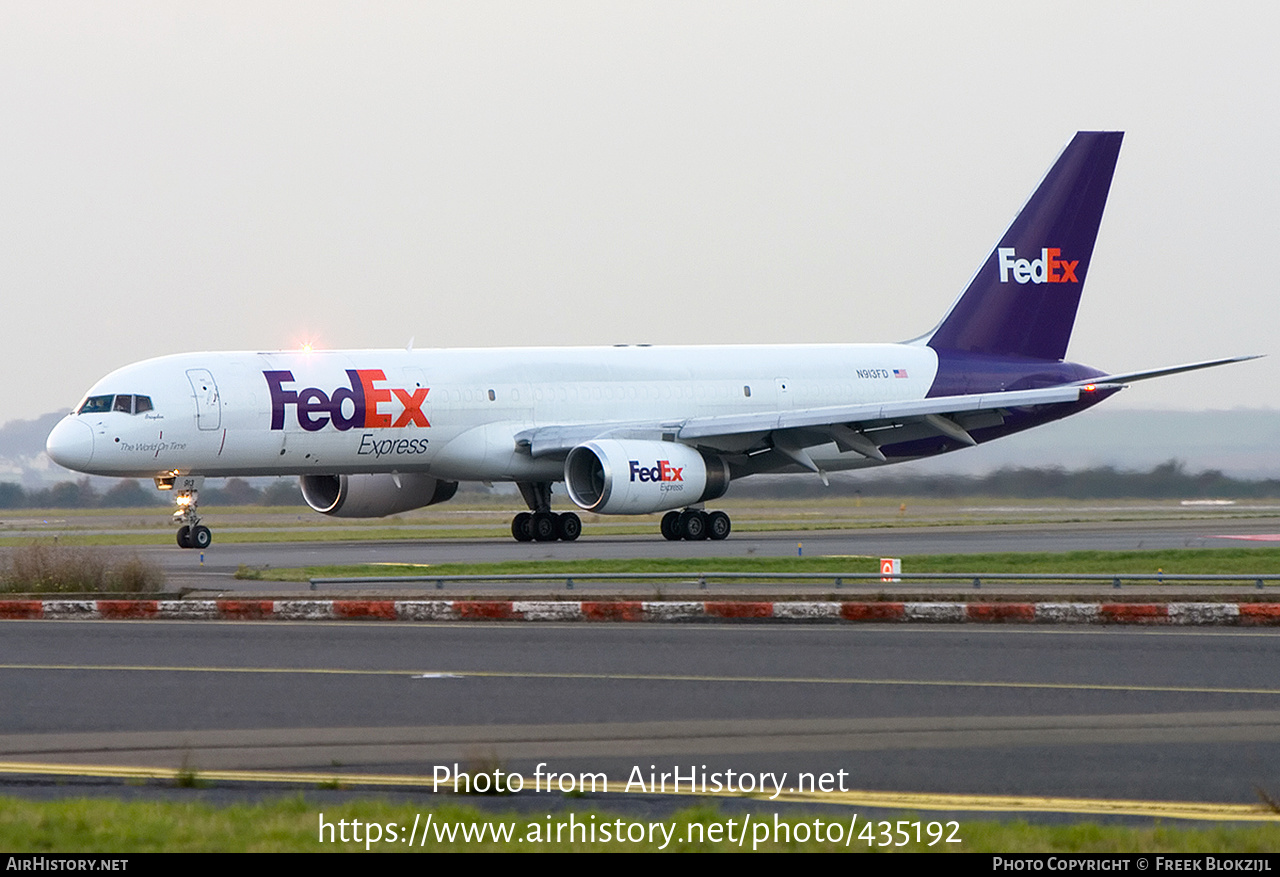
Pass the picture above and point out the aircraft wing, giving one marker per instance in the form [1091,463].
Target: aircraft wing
[705,427]
[790,431]
[853,428]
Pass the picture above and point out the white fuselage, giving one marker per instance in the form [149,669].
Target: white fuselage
[453,414]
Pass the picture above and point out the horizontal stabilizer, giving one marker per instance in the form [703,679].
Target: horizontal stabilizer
[1130,377]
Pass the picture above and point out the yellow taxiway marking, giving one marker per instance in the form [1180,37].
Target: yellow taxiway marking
[1039,804]
[654,677]
[910,801]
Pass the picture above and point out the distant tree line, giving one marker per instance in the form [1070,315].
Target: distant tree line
[132,494]
[1167,481]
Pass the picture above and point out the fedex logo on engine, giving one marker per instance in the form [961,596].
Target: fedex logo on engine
[1047,269]
[363,404]
[664,472]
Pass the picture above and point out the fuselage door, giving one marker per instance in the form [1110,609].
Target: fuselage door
[205,392]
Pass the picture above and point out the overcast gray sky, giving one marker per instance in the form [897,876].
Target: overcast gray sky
[217,175]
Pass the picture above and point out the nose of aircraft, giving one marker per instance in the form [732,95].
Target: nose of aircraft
[70,444]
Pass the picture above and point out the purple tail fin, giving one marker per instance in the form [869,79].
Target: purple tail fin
[1022,301]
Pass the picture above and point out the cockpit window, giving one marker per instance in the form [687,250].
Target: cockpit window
[122,403]
[95,404]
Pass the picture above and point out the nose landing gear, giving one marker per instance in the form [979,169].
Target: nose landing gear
[186,492]
[194,537]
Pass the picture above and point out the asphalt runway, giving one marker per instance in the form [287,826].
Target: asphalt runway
[215,569]
[1160,714]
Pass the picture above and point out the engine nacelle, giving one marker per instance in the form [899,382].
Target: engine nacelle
[613,477]
[373,496]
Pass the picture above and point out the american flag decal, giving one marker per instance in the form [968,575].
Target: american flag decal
[899,372]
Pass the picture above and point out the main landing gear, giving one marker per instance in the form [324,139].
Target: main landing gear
[695,525]
[546,527]
[186,492]
[540,524]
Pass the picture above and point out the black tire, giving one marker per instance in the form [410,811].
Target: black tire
[201,537]
[544,527]
[693,525]
[568,526]
[184,536]
[718,525]
[522,527]
[671,526]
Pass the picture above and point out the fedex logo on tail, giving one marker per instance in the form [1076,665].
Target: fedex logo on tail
[1047,269]
[664,472]
[371,406]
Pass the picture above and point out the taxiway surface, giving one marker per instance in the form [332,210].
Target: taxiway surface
[1189,714]
[1101,713]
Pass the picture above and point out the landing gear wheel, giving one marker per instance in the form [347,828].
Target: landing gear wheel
[568,526]
[544,526]
[522,527]
[693,525]
[201,537]
[184,536]
[671,526]
[718,525]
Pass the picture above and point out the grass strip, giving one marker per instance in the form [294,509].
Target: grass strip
[1186,561]
[293,825]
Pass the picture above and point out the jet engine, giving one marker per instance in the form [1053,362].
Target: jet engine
[618,477]
[373,496]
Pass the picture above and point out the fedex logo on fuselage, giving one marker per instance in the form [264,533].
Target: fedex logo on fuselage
[1047,269]
[370,407]
[664,471]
